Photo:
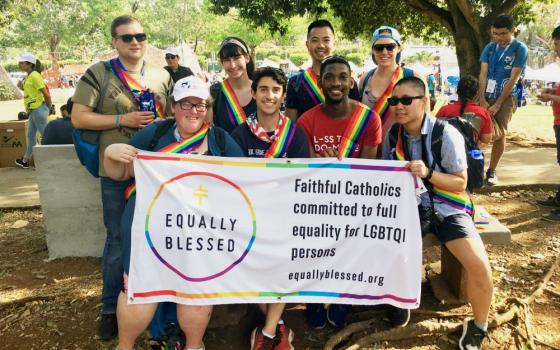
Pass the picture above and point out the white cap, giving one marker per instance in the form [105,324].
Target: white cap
[27,57]
[172,51]
[190,87]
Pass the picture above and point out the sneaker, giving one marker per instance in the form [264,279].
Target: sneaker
[491,177]
[336,314]
[315,315]
[398,317]
[285,336]
[552,216]
[472,336]
[21,163]
[108,327]
[260,342]
[552,201]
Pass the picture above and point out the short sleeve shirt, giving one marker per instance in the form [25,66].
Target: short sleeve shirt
[476,115]
[180,73]
[32,95]
[117,99]
[556,106]
[501,61]
[299,99]
[325,132]
[221,117]
[252,146]
[453,157]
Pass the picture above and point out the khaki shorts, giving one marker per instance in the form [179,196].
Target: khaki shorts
[501,119]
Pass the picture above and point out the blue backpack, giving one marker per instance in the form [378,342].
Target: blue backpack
[86,142]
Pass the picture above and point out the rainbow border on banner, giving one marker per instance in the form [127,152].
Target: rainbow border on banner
[217,295]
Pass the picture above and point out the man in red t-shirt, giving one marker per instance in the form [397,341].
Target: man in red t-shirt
[553,95]
[467,90]
[326,124]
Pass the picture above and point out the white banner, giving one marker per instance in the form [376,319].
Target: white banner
[211,230]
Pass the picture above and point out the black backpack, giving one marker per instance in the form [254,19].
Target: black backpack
[475,156]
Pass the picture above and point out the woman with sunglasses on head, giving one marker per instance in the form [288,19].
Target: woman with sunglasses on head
[233,99]
[187,133]
[377,84]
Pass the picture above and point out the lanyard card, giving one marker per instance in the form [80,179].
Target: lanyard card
[491,86]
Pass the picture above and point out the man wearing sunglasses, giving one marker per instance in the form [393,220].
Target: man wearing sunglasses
[173,67]
[445,176]
[116,98]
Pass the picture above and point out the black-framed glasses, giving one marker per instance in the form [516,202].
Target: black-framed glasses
[381,47]
[405,101]
[170,57]
[187,106]
[127,38]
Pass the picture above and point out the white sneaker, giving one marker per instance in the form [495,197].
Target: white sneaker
[491,177]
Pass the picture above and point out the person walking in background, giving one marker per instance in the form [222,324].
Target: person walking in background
[502,62]
[173,67]
[37,101]
[553,95]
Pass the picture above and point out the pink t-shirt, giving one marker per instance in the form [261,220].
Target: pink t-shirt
[556,106]
[324,132]
[477,115]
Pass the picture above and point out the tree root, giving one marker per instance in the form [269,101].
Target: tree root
[23,301]
[517,308]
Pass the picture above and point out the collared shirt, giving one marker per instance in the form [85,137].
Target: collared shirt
[453,156]
[501,61]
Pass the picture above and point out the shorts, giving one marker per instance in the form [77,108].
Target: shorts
[501,119]
[456,226]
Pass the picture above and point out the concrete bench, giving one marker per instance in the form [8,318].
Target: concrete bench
[71,202]
[491,231]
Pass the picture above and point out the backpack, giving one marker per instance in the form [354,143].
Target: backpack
[86,142]
[475,156]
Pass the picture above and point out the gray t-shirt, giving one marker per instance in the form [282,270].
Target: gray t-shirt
[453,156]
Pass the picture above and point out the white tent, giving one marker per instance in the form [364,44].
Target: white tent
[269,63]
[549,73]
[188,58]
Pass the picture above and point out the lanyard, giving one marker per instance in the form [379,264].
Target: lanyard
[496,61]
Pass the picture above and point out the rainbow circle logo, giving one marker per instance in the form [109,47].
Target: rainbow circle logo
[229,267]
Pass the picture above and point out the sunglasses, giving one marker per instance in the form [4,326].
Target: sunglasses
[388,47]
[405,101]
[127,38]
[170,57]
[187,106]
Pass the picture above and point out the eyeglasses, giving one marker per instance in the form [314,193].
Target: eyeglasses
[388,47]
[170,57]
[127,38]
[405,101]
[187,106]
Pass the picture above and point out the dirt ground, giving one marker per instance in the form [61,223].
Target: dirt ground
[55,304]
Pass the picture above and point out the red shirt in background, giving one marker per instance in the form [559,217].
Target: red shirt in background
[478,116]
[324,132]
[556,106]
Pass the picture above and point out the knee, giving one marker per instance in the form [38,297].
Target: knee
[478,270]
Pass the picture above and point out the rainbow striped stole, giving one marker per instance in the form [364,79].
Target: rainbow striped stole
[458,200]
[310,84]
[135,87]
[233,107]
[381,106]
[183,146]
[355,129]
[286,131]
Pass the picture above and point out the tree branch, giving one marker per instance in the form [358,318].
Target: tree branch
[436,13]
[506,7]
[467,10]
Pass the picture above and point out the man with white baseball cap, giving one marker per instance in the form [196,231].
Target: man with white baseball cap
[175,70]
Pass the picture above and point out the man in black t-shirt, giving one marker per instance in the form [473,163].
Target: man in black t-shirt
[175,70]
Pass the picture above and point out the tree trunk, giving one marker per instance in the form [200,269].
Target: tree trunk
[5,77]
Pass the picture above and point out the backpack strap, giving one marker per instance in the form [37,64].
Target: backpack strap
[366,81]
[161,129]
[437,142]
[393,136]
[220,136]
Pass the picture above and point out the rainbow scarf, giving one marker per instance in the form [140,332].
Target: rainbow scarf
[312,87]
[286,131]
[135,88]
[183,146]
[233,107]
[458,200]
[381,106]
[354,131]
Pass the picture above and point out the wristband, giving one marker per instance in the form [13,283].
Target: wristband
[118,121]
[430,173]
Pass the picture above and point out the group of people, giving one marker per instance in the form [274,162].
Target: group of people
[138,107]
